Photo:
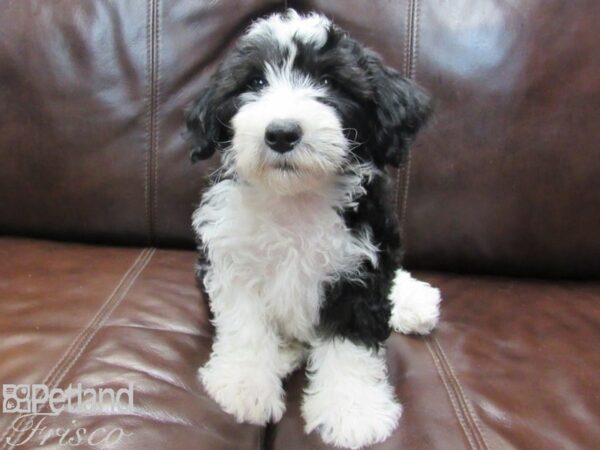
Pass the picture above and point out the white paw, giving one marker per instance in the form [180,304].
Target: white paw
[415,305]
[248,393]
[349,400]
[352,419]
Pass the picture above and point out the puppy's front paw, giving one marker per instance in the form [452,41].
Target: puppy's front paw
[352,418]
[415,305]
[247,392]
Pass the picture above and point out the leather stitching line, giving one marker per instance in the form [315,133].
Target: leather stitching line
[467,405]
[416,19]
[151,177]
[407,36]
[400,171]
[411,72]
[155,108]
[451,395]
[147,155]
[79,344]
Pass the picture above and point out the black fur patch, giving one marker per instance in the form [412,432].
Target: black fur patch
[360,310]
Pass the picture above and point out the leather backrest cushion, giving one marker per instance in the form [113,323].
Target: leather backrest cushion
[507,180]
[91,111]
[92,96]
[73,119]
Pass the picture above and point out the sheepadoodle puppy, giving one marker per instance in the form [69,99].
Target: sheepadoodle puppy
[299,241]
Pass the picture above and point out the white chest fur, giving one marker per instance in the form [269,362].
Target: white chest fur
[277,251]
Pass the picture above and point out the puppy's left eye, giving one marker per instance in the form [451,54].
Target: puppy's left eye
[257,83]
[327,81]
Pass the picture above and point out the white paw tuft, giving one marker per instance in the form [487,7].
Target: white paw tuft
[349,400]
[248,393]
[415,305]
[349,423]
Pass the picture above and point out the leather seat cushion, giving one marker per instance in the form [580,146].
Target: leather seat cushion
[512,365]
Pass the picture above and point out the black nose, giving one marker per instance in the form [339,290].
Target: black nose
[283,135]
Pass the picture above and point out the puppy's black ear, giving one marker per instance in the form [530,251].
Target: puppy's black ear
[402,108]
[201,122]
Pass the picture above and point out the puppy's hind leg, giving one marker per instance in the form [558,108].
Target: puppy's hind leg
[415,304]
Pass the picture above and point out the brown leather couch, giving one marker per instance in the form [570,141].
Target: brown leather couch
[500,204]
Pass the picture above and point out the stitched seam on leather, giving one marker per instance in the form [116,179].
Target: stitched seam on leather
[400,171]
[79,344]
[407,37]
[456,394]
[467,405]
[411,72]
[451,395]
[415,29]
[152,41]
[155,108]
[147,121]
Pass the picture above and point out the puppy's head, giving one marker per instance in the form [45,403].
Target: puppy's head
[299,102]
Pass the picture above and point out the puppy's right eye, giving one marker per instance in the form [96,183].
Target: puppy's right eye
[257,83]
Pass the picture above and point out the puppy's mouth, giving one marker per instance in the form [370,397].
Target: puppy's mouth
[280,163]
[284,166]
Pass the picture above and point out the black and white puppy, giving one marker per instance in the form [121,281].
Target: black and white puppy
[300,249]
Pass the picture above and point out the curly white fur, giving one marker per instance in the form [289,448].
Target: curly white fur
[416,305]
[349,399]
[269,256]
